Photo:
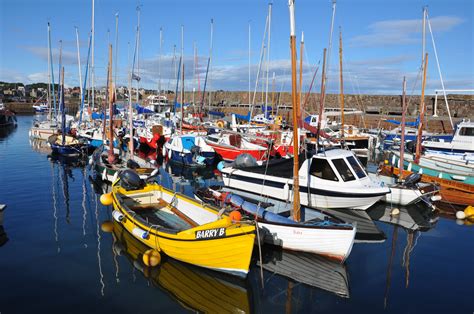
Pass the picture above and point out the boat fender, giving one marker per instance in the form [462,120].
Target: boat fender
[420,171]
[286,190]
[440,175]
[151,258]
[201,160]
[409,167]
[460,215]
[106,199]
[393,160]
[140,233]
[436,198]
[395,212]
[220,165]
[235,215]
[104,175]
[118,216]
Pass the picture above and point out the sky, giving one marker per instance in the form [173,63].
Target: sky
[382,42]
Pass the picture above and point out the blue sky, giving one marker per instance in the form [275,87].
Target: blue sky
[381,38]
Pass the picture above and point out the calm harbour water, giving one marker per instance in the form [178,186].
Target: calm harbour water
[57,258]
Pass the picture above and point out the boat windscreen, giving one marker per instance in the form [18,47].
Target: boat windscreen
[356,166]
[344,170]
[466,131]
[321,168]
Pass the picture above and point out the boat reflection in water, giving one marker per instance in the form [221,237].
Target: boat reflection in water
[5,132]
[414,220]
[3,234]
[194,288]
[310,269]
[40,146]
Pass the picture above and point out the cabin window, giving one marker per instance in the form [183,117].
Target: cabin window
[321,168]
[356,166]
[344,170]
[466,131]
[212,139]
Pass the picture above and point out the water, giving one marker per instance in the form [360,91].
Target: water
[57,258]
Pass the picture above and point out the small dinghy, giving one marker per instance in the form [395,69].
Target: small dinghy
[325,236]
[181,227]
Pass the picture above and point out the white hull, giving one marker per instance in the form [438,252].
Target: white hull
[41,134]
[328,241]
[351,201]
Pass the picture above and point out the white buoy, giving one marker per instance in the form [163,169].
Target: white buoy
[393,160]
[460,215]
[409,166]
[395,212]
[460,222]
[420,171]
[440,175]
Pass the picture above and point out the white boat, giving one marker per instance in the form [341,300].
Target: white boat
[323,234]
[406,193]
[462,142]
[330,179]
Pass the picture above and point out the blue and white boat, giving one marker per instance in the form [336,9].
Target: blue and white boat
[462,143]
[190,150]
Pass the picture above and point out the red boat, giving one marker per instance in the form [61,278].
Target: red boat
[229,146]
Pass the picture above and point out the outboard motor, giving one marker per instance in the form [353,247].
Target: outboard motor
[130,180]
[132,164]
[244,161]
[412,179]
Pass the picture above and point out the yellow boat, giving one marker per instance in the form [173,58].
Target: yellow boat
[160,218]
[194,288]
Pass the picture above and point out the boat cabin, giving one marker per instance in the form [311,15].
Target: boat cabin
[338,167]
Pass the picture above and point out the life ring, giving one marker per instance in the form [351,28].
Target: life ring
[220,124]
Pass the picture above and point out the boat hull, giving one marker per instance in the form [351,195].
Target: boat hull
[312,197]
[229,253]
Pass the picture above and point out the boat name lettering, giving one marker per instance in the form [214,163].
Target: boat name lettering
[210,233]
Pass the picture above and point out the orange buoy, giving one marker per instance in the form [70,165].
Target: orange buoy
[235,215]
[151,258]
[106,199]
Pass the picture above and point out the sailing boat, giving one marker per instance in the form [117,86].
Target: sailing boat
[66,145]
[329,179]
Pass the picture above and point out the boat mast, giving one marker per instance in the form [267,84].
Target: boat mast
[116,45]
[92,52]
[50,82]
[268,56]
[159,61]
[85,80]
[422,112]
[299,108]
[402,140]
[249,61]
[60,64]
[341,83]
[182,78]
[138,54]
[63,112]
[210,60]
[321,98]
[130,113]
[294,93]
[326,70]
[79,62]
[111,157]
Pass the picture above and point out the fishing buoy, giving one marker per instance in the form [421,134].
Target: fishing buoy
[395,212]
[460,215]
[107,226]
[106,199]
[220,165]
[385,161]
[220,124]
[151,258]
[235,215]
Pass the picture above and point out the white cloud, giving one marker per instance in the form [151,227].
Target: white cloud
[399,32]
